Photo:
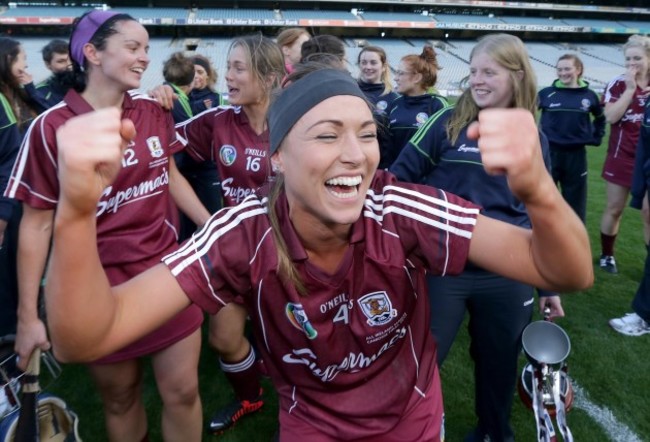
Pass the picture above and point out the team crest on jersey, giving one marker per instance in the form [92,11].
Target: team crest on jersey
[155,147]
[382,105]
[421,118]
[227,154]
[585,104]
[298,318]
[377,308]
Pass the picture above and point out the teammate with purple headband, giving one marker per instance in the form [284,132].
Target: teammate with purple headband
[135,217]
[329,262]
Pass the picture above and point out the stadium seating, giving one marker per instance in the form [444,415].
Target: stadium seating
[155,13]
[466,18]
[313,14]
[529,21]
[395,16]
[45,11]
[603,61]
[229,13]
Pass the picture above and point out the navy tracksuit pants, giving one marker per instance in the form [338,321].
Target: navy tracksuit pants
[569,170]
[499,310]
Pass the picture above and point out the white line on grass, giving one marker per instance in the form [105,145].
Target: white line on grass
[617,431]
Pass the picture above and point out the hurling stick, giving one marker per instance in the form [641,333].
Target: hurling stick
[27,425]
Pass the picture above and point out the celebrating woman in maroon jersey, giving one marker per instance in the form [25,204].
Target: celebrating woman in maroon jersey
[330,262]
[135,218]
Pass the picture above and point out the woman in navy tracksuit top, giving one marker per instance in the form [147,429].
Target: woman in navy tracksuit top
[567,110]
[441,155]
[407,113]
[374,78]
[203,96]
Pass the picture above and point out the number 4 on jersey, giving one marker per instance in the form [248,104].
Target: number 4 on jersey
[343,314]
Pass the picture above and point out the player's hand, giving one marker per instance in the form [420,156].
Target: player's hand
[508,140]
[90,155]
[29,336]
[164,95]
[554,303]
[630,77]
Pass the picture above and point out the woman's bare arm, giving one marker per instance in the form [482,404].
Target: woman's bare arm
[185,197]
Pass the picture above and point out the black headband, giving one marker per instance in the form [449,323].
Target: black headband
[299,97]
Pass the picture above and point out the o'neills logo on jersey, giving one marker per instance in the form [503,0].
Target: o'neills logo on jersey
[352,362]
[377,308]
[155,147]
[134,193]
[227,154]
[298,318]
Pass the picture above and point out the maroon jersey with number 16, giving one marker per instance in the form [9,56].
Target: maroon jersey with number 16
[224,136]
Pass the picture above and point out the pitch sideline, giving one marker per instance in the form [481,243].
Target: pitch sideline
[617,431]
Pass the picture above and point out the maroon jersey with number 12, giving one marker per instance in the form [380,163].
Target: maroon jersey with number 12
[136,216]
[347,357]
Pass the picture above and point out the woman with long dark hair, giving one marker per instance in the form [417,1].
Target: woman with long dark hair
[16,113]
[136,222]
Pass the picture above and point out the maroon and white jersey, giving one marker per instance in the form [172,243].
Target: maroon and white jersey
[136,217]
[224,136]
[625,132]
[347,356]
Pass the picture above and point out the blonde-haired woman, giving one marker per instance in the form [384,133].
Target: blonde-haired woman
[444,155]
[415,75]
[236,139]
[625,98]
